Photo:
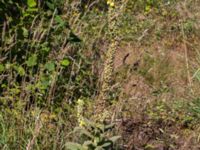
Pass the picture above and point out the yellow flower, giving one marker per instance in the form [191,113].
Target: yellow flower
[82,123]
[110,3]
[80,102]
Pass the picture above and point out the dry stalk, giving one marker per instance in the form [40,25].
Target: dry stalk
[38,126]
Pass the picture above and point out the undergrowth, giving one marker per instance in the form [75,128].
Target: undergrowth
[52,54]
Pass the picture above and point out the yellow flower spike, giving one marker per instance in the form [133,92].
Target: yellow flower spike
[80,105]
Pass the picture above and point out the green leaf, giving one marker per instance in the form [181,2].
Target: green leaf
[83,131]
[109,127]
[45,48]
[31,3]
[20,70]
[25,32]
[50,5]
[50,66]
[86,133]
[147,8]
[88,143]
[99,148]
[73,146]
[65,62]
[3,85]
[59,20]
[107,144]
[32,61]
[44,83]
[2,68]
[32,10]
[114,138]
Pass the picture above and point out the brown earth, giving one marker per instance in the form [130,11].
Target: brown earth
[138,130]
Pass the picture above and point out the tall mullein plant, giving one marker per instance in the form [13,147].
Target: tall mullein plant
[114,13]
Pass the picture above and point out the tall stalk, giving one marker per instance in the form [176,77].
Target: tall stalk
[102,102]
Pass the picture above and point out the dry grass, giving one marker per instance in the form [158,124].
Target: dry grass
[148,62]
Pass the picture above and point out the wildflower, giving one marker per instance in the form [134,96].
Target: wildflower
[80,102]
[110,3]
[82,123]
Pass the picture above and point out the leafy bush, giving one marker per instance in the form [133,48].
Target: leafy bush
[43,53]
[93,136]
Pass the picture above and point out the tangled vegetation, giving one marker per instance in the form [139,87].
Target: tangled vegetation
[99,74]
